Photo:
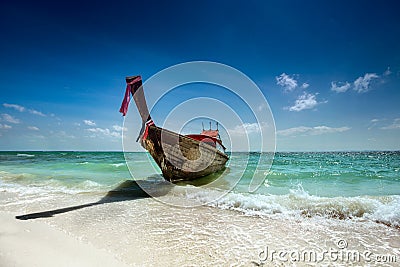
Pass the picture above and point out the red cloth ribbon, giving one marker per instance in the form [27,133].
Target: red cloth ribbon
[125,102]
[146,131]
[127,97]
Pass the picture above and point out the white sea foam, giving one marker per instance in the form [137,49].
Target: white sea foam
[298,203]
[117,165]
[388,213]
[88,185]
[25,155]
[25,184]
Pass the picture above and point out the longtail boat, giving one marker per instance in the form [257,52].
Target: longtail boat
[180,157]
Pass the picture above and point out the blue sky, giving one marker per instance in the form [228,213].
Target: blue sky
[330,70]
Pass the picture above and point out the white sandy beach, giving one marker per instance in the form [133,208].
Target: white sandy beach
[145,232]
[29,243]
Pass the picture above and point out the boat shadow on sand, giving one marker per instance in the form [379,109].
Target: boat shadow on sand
[126,191]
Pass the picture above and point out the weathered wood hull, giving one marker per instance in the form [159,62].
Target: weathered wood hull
[180,157]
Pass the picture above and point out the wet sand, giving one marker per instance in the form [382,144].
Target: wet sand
[140,231]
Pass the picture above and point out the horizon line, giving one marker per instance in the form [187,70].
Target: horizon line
[280,151]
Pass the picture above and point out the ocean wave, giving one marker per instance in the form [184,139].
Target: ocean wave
[117,165]
[15,177]
[53,187]
[25,155]
[298,203]
[88,185]
[29,184]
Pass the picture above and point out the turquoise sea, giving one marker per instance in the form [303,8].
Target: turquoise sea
[359,186]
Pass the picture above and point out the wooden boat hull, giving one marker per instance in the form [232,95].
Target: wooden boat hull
[180,157]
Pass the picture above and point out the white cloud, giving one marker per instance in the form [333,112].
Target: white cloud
[33,128]
[23,109]
[372,124]
[115,134]
[261,107]
[286,81]
[340,87]
[10,119]
[317,130]
[305,101]
[293,131]
[35,112]
[387,72]
[305,85]
[89,122]
[104,131]
[5,126]
[247,128]
[98,130]
[394,125]
[119,128]
[14,106]
[362,84]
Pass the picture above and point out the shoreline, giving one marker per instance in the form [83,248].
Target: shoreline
[145,232]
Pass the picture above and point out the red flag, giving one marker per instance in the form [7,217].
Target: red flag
[125,102]
[131,87]
[146,131]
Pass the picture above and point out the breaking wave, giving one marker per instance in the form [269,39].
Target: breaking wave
[298,203]
[25,155]
[28,184]
[117,165]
